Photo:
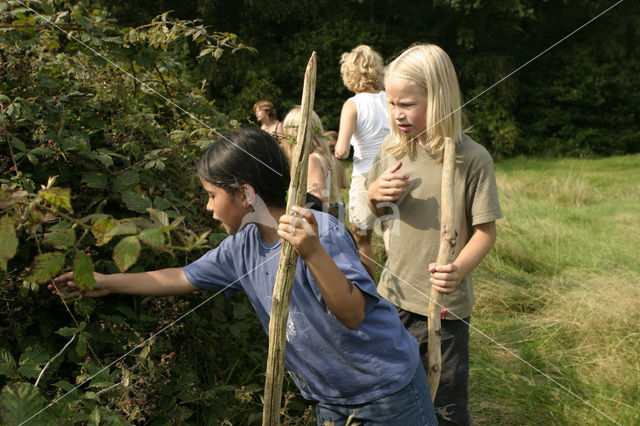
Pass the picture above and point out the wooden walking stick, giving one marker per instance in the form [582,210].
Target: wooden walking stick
[445,255]
[288,258]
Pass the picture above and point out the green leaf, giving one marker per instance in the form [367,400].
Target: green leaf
[83,271]
[152,237]
[19,401]
[7,364]
[61,239]
[126,252]
[126,181]
[8,241]
[161,203]
[100,229]
[18,144]
[81,346]
[95,180]
[124,228]
[59,197]
[70,331]
[32,360]
[136,202]
[159,217]
[46,266]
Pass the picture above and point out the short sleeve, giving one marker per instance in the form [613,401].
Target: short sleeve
[216,269]
[482,193]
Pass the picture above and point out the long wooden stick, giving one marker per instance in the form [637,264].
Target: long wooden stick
[446,254]
[288,258]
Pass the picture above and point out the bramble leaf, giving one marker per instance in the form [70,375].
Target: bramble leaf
[8,241]
[83,271]
[100,229]
[7,364]
[32,360]
[152,237]
[59,197]
[126,252]
[46,266]
[18,401]
[136,202]
[61,239]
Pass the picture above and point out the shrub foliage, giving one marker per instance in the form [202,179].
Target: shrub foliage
[100,128]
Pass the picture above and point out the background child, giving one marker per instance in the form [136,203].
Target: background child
[266,116]
[424,108]
[346,348]
[332,138]
[322,181]
[363,124]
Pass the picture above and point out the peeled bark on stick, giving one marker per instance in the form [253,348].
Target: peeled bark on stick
[288,258]
[446,255]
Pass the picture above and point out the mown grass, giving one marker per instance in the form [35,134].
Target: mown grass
[555,333]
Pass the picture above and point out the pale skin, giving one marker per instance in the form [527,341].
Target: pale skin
[345,300]
[316,177]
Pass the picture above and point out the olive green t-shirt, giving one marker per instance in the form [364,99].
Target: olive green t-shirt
[415,233]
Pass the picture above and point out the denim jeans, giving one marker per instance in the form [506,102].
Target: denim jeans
[411,406]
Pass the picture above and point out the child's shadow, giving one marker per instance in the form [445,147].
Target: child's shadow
[424,213]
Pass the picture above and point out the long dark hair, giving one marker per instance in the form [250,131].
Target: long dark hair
[248,156]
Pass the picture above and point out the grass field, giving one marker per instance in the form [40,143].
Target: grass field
[556,328]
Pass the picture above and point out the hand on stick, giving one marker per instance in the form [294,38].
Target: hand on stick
[301,230]
[445,278]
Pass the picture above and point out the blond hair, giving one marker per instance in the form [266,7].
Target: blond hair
[318,141]
[430,68]
[362,69]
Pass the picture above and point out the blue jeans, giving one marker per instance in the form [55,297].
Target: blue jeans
[410,406]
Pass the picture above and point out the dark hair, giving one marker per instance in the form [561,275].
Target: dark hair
[250,156]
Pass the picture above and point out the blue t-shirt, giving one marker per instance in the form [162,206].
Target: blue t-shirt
[328,362]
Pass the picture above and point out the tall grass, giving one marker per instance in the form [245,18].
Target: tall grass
[561,290]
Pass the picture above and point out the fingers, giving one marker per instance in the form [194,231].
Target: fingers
[395,168]
[444,278]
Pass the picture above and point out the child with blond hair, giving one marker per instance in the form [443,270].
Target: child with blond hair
[424,109]
[363,125]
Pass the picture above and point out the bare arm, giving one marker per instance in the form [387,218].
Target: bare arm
[316,177]
[344,299]
[347,128]
[163,282]
[446,278]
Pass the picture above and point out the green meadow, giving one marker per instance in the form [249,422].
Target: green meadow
[555,335]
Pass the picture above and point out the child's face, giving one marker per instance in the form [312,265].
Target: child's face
[260,114]
[407,105]
[225,207]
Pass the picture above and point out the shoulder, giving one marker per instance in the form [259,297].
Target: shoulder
[471,151]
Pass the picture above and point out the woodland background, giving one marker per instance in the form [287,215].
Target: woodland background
[105,105]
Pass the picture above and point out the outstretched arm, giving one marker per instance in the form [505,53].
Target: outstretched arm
[164,282]
[446,278]
[344,299]
[348,118]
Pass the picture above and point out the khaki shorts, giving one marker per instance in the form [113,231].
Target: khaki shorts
[359,213]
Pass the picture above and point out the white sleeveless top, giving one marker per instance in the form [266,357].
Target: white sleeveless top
[372,125]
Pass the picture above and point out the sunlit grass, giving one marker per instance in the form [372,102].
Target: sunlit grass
[560,291]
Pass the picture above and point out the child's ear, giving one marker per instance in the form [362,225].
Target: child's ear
[248,193]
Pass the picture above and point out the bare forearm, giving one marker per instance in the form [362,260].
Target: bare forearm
[477,248]
[164,282]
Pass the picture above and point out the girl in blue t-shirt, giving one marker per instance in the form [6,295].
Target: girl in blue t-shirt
[346,348]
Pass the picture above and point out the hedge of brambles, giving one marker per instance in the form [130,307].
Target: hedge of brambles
[100,128]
